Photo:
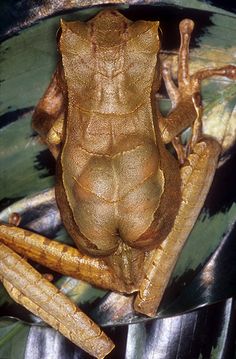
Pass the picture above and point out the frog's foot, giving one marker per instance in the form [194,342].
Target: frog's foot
[189,85]
[185,98]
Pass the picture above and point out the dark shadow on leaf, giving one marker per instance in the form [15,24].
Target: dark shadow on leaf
[45,161]
[215,282]
[13,116]
[223,190]
[6,202]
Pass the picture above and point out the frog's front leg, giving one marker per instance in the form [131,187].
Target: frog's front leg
[49,114]
[196,173]
[185,99]
[34,292]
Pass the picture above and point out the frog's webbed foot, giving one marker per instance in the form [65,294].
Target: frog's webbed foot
[185,98]
[48,117]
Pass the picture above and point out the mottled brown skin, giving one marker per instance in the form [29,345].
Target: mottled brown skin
[126,201]
[118,164]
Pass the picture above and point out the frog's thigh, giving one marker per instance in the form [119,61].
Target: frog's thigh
[196,176]
[97,222]
[139,190]
[137,209]
[94,207]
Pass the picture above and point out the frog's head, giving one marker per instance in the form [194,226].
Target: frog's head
[109,28]
[112,53]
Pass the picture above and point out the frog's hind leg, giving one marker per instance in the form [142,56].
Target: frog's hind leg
[196,174]
[30,289]
[60,257]
[49,114]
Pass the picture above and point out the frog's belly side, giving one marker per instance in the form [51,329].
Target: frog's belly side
[116,196]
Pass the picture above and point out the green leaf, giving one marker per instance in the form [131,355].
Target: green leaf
[27,63]
[13,337]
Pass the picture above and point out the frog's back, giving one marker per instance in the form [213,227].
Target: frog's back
[114,178]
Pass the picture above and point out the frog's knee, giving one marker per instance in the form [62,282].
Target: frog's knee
[207,146]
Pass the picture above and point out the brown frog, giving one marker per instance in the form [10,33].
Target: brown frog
[126,201]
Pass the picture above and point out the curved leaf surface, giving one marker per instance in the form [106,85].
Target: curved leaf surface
[201,276]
